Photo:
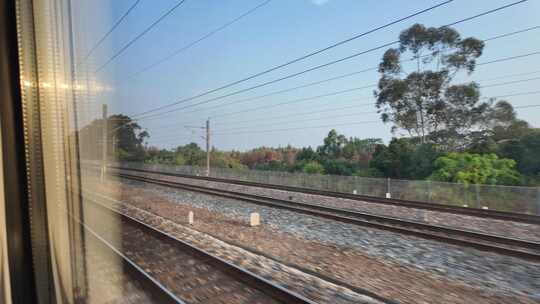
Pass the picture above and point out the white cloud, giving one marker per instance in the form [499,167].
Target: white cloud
[319,2]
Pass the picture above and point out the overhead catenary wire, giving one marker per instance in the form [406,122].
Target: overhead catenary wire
[509,82]
[271,117]
[513,33]
[527,106]
[336,125]
[512,75]
[322,126]
[299,114]
[371,104]
[282,91]
[292,75]
[356,99]
[301,128]
[297,100]
[342,92]
[509,58]
[115,25]
[335,78]
[499,60]
[375,112]
[139,36]
[197,41]
[301,120]
[311,54]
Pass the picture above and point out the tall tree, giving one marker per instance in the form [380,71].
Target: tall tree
[525,150]
[191,154]
[333,145]
[127,135]
[405,158]
[424,102]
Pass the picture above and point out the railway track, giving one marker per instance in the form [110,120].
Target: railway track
[117,282]
[486,242]
[190,274]
[137,285]
[484,213]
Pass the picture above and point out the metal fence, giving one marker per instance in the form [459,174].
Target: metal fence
[502,198]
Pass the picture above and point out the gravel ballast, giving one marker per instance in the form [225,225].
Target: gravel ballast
[290,278]
[465,274]
[498,227]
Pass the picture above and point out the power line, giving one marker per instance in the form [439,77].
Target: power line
[341,92]
[265,83]
[514,94]
[512,75]
[304,113]
[302,120]
[288,76]
[365,122]
[513,33]
[141,34]
[509,82]
[485,13]
[302,128]
[193,43]
[334,78]
[319,118]
[299,58]
[294,101]
[367,104]
[483,98]
[335,125]
[348,107]
[527,106]
[115,25]
[274,117]
[333,93]
[284,90]
[508,58]
[374,85]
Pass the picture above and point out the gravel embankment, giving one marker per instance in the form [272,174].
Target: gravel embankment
[406,268]
[498,227]
[305,284]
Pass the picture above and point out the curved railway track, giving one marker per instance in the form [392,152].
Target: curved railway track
[486,242]
[484,213]
[187,273]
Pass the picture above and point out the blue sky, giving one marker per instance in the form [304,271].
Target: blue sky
[275,33]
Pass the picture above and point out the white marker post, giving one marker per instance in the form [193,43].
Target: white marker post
[190,218]
[254,219]
[388,195]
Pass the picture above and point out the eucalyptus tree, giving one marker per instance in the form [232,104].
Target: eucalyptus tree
[416,90]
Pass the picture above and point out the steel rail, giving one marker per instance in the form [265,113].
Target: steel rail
[324,277]
[155,289]
[247,277]
[483,213]
[486,242]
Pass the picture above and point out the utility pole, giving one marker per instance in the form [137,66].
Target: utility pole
[104,142]
[113,147]
[208,147]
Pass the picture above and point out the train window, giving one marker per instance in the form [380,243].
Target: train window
[269,151]
[5,288]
